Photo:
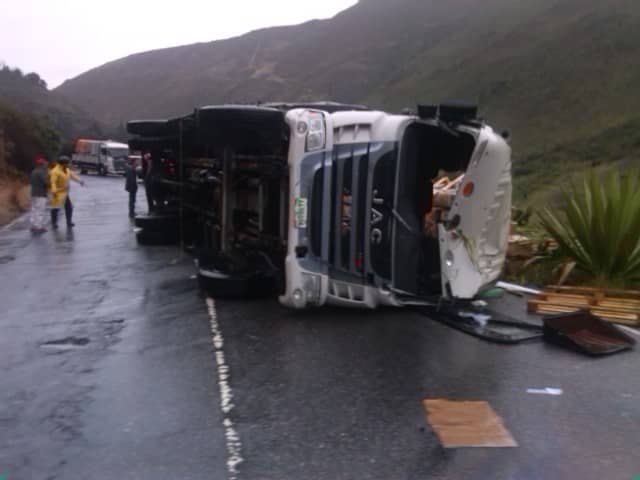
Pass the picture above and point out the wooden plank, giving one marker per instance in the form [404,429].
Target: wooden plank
[613,292]
[612,315]
[622,302]
[542,306]
[441,183]
[618,307]
[568,300]
[615,316]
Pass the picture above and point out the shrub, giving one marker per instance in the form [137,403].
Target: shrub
[598,226]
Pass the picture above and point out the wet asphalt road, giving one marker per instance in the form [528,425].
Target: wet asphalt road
[129,387]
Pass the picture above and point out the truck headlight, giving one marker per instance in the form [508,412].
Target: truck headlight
[311,285]
[316,135]
[299,300]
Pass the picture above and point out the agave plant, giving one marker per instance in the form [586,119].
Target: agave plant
[598,227]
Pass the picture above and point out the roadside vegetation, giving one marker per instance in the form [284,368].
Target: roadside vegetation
[591,235]
[537,176]
[22,138]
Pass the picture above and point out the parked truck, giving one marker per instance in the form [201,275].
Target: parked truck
[329,204]
[101,156]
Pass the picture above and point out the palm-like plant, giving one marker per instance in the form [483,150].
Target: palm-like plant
[598,227]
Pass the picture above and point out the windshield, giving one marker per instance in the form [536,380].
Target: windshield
[118,152]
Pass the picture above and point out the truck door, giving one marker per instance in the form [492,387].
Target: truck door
[473,238]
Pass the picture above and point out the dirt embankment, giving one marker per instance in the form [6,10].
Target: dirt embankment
[15,198]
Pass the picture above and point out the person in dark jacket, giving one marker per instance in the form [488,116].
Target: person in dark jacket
[131,185]
[39,191]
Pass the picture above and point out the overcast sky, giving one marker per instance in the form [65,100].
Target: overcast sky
[60,39]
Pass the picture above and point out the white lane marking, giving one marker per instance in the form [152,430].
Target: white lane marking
[234,445]
[545,391]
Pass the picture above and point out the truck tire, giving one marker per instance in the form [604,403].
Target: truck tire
[244,275]
[219,284]
[157,222]
[150,237]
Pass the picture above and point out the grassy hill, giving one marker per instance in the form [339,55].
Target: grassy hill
[557,73]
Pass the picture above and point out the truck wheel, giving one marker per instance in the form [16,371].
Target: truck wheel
[236,276]
[157,223]
[83,171]
[150,237]
[220,284]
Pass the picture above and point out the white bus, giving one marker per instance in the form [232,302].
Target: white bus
[327,204]
[101,156]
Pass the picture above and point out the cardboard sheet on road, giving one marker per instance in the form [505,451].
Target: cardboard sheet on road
[467,424]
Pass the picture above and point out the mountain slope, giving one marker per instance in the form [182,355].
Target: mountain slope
[553,71]
[28,94]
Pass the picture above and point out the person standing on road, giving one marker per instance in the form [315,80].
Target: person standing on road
[39,189]
[131,185]
[59,184]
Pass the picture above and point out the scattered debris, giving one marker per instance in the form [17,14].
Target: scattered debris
[480,318]
[618,306]
[513,288]
[630,330]
[587,333]
[445,191]
[467,424]
[483,323]
[521,247]
[545,391]
[491,292]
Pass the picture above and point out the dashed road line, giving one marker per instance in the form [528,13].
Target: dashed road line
[234,445]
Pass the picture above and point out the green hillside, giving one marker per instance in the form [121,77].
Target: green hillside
[554,72]
[28,94]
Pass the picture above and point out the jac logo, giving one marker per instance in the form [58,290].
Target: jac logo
[376,217]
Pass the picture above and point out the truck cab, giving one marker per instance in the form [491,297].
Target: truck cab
[366,230]
[101,156]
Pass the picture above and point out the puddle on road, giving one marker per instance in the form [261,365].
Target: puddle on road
[6,259]
[64,344]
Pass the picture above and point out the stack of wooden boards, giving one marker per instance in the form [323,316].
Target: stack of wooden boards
[618,306]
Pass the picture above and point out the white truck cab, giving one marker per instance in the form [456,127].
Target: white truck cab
[361,190]
[101,156]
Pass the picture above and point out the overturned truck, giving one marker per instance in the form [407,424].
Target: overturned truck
[328,203]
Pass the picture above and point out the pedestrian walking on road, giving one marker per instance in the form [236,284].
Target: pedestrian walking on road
[59,177]
[39,190]
[131,185]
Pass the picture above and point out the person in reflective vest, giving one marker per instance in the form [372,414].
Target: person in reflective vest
[59,177]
